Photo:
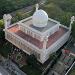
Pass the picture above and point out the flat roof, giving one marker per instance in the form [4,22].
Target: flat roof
[53,38]
[43,29]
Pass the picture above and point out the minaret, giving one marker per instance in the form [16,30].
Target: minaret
[72,20]
[7,20]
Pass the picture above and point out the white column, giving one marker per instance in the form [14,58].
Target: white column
[45,42]
[5,21]
[19,25]
[26,31]
[44,52]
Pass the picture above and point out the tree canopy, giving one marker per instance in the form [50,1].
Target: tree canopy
[62,11]
[7,6]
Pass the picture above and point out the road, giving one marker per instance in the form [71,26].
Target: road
[26,9]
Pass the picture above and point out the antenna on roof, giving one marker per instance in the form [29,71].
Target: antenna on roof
[37,6]
[72,20]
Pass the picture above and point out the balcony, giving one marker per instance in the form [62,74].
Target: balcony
[28,43]
[18,42]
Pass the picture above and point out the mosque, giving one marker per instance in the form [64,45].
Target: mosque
[37,34]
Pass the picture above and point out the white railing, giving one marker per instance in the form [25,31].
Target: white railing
[59,43]
[19,42]
[38,33]
[70,68]
[26,29]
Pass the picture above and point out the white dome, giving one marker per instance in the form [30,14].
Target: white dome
[40,18]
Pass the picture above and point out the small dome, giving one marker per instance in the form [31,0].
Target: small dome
[40,18]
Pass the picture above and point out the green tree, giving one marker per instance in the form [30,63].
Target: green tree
[73,29]
[19,16]
[32,60]
[65,18]
[1,29]
[1,24]
[53,10]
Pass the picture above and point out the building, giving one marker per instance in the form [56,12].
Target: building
[37,34]
[3,71]
[7,67]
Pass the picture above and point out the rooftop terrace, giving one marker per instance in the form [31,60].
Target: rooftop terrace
[50,24]
[53,38]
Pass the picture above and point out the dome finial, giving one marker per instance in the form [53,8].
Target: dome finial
[37,6]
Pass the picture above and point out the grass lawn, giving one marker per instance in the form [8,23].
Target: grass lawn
[30,70]
[73,72]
